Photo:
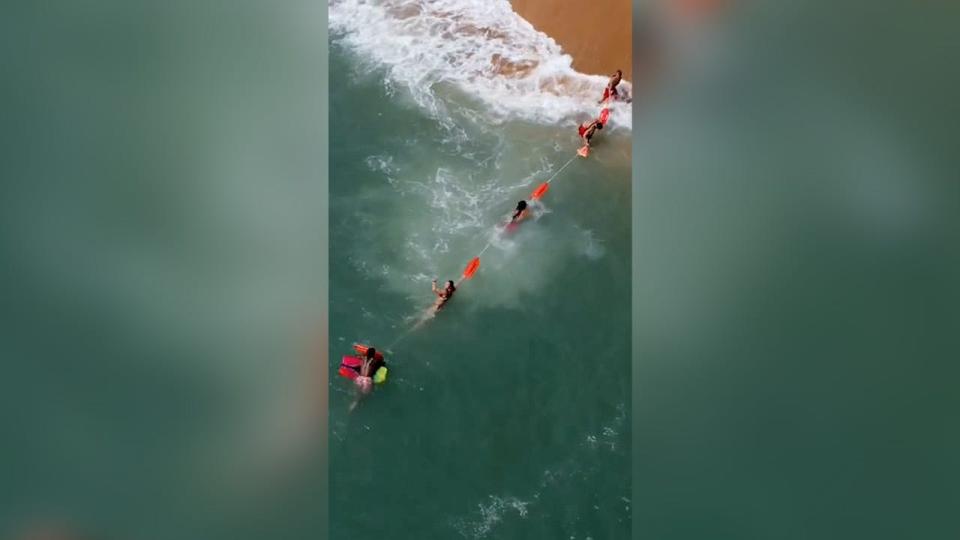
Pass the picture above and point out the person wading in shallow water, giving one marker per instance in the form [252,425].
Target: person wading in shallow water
[610,92]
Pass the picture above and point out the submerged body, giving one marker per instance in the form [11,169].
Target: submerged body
[520,212]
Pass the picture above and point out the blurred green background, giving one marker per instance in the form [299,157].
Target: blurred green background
[163,225]
[795,276]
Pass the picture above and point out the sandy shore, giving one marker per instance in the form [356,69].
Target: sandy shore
[596,33]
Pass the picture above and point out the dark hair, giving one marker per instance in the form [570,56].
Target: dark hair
[619,72]
[450,284]
[521,205]
[371,352]
[599,124]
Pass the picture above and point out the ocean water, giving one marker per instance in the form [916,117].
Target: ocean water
[795,272]
[508,415]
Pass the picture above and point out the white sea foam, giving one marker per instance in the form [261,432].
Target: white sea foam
[592,247]
[482,522]
[489,515]
[480,48]
[383,164]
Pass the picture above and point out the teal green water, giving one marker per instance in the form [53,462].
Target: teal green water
[161,221]
[796,279]
[507,416]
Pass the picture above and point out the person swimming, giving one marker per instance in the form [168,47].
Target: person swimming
[587,131]
[367,372]
[371,363]
[520,211]
[443,295]
[610,92]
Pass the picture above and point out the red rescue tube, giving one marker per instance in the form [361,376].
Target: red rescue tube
[471,268]
[362,350]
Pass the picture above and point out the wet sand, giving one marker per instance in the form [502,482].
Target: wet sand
[597,33]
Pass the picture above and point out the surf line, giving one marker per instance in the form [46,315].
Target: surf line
[474,264]
[541,190]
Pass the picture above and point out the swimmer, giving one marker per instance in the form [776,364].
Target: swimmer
[372,362]
[364,380]
[520,212]
[587,131]
[610,92]
[443,295]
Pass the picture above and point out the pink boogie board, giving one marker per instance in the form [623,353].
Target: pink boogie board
[347,364]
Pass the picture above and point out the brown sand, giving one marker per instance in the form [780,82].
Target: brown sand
[596,33]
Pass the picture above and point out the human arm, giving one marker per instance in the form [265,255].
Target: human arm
[366,368]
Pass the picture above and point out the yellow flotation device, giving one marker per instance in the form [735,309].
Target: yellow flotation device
[381,375]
